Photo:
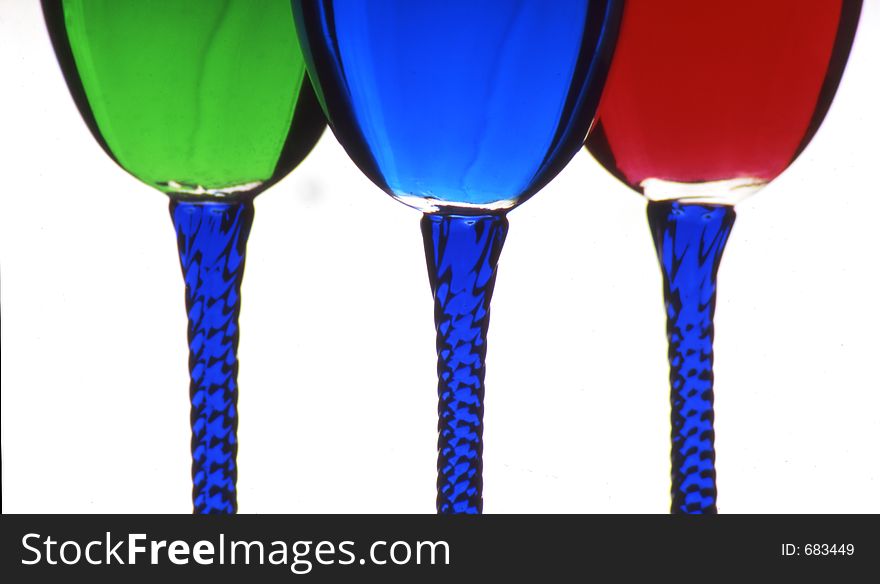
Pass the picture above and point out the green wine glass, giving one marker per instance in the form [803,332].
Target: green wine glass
[207,102]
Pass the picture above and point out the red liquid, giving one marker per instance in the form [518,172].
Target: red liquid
[705,90]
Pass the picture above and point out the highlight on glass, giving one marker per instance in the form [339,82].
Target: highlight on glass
[462,110]
[187,98]
[705,104]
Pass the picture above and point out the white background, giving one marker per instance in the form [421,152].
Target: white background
[338,401]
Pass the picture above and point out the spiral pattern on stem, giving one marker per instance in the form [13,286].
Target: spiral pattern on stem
[211,238]
[690,240]
[462,254]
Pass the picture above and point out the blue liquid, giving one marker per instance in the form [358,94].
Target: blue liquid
[462,105]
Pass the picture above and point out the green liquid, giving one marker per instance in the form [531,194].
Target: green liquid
[189,97]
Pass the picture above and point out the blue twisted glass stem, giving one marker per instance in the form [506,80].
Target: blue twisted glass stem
[462,254]
[690,240]
[211,238]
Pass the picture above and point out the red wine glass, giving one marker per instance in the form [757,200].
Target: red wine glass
[706,103]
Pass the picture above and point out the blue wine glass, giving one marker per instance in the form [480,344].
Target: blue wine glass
[462,110]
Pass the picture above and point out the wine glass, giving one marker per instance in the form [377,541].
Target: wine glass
[706,103]
[208,103]
[461,110]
